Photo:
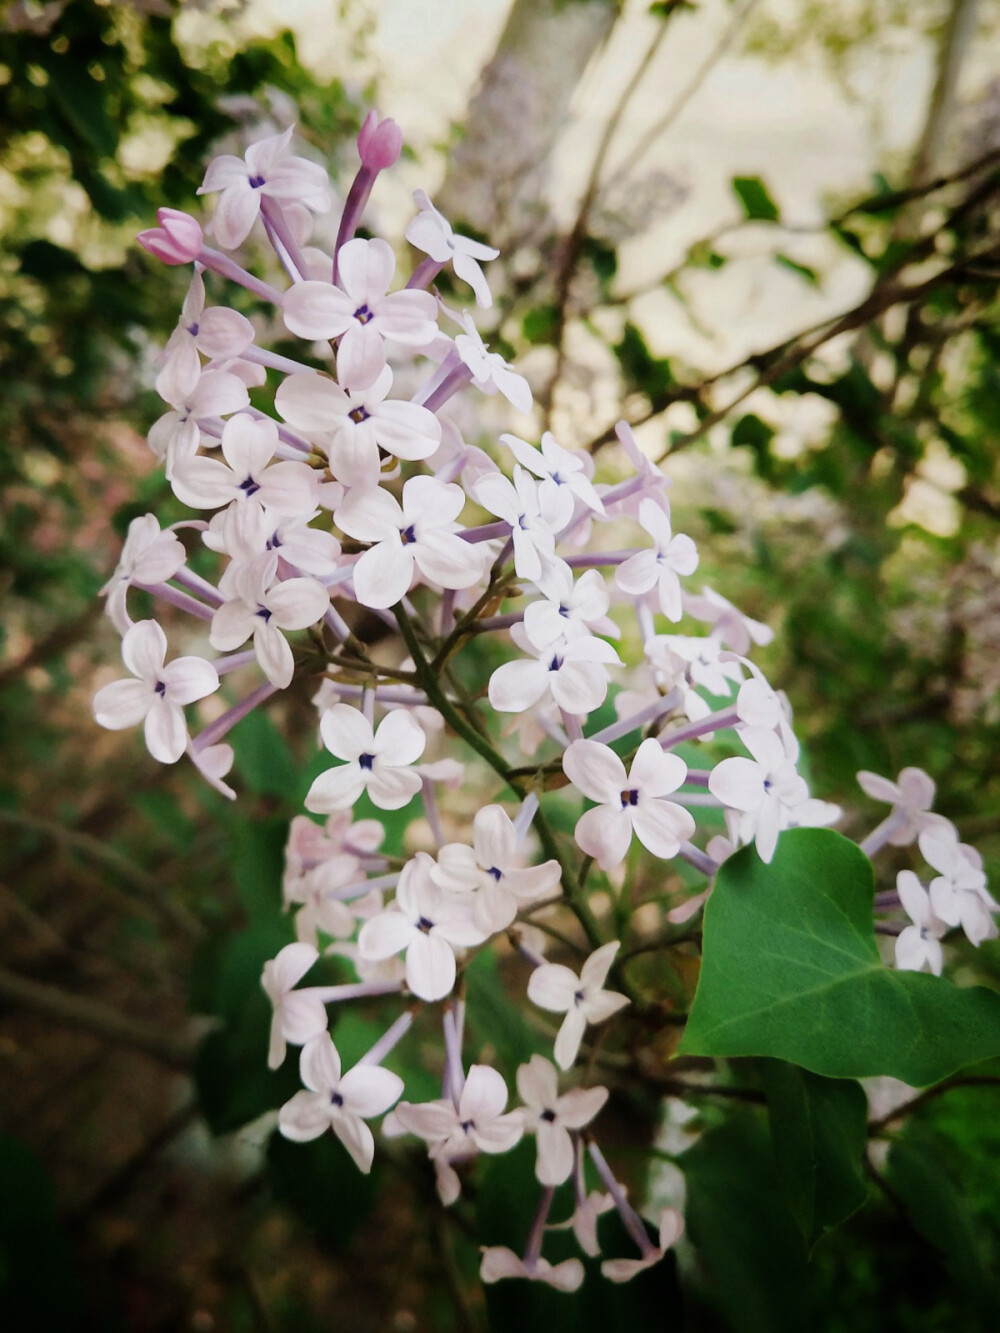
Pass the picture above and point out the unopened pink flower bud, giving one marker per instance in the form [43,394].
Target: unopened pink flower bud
[177,240]
[379,142]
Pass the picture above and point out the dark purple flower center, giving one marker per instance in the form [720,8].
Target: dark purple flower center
[249,487]
[555,664]
[359,414]
[496,873]
[256,182]
[548,1116]
[160,689]
[630,797]
[264,613]
[363,315]
[193,330]
[407,535]
[336,1099]
[366,761]
[424,925]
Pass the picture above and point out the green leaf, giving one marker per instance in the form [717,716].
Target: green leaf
[758,206]
[751,1254]
[791,969]
[263,759]
[819,1132]
[320,1182]
[919,1178]
[540,324]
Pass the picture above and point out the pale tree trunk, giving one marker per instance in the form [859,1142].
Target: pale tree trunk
[498,174]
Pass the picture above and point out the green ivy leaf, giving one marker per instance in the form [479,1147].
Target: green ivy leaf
[819,1131]
[758,206]
[752,1259]
[791,969]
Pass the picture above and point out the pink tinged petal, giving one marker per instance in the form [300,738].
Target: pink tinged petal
[911,950]
[598,1008]
[319,1064]
[370,516]
[166,731]
[605,834]
[302,1016]
[366,269]
[579,687]
[288,968]
[444,558]
[580,1106]
[661,826]
[385,935]
[916,788]
[382,575]
[273,655]
[484,1096]
[180,371]
[143,649]
[638,573]
[768,828]
[317,310]
[496,494]
[288,489]
[311,402]
[515,388]
[235,213]
[123,703]
[356,1137]
[914,898]
[534,881]
[554,1163]
[218,394]
[336,789]
[567,1276]
[407,430]
[469,271]
[305,1117]
[669,591]
[538,1083]
[569,1037]
[297,603]
[596,770]
[430,967]
[432,503]
[432,1121]
[654,772]
[189,678]
[498,1135]
[392,788]
[400,739]
[494,837]
[232,625]
[223,172]
[408,317]
[346,732]
[204,483]
[361,355]
[595,970]
[515,686]
[552,986]
[495,908]
[738,783]
[223,332]
[461,932]
[369,1090]
[878,787]
[500,1262]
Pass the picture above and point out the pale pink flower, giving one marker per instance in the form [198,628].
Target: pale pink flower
[341,1102]
[490,372]
[660,567]
[257,605]
[419,533]
[476,1124]
[558,470]
[919,945]
[177,240]
[425,923]
[216,332]
[551,1117]
[362,312]
[298,1015]
[148,556]
[500,1262]
[431,232]
[176,435]
[573,672]
[911,797]
[671,1228]
[534,517]
[268,168]
[248,475]
[157,695]
[353,427]
[958,895]
[582,998]
[766,787]
[379,762]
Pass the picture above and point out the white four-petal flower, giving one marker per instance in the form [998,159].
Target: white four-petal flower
[551,1117]
[582,998]
[379,762]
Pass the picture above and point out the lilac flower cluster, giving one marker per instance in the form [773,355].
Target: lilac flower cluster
[349,504]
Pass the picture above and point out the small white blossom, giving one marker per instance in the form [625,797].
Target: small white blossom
[582,998]
[341,1102]
[298,1015]
[551,1117]
[431,232]
[919,945]
[379,762]
[157,695]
